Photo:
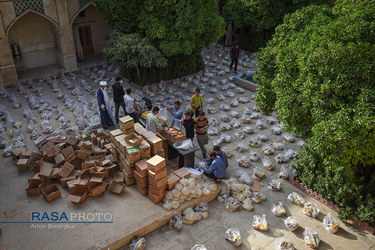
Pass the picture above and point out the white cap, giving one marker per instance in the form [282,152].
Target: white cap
[103,83]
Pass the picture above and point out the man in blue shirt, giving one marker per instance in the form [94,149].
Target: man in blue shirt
[217,170]
[176,112]
[222,155]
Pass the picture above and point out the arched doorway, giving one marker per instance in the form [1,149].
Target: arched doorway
[90,31]
[38,41]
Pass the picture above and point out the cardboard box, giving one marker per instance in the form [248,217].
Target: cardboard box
[25,155]
[157,191]
[129,179]
[108,147]
[45,169]
[116,188]
[141,181]
[172,181]
[127,124]
[156,144]
[156,163]
[35,187]
[83,180]
[158,184]
[161,153]
[114,133]
[118,177]
[22,165]
[64,181]
[67,151]
[108,169]
[88,164]
[156,198]
[87,145]
[78,195]
[16,153]
[145,149]
[83,153]
[133,139]
[96,188]
[118,139]
[141,190]
[51,193]
[97,177]
[182,173]
[72,139]
[158,175]
[59,159]
[129,167]
[34,161]
[66,169]
[133,154]
[100,151]
[141,167]
[51,149]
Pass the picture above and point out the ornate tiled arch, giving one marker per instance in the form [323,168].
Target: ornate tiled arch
[21,6]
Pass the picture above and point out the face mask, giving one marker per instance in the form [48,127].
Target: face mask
[121,81]
[201,118]
[186,118]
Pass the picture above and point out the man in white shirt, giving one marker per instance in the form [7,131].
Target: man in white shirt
[129,104]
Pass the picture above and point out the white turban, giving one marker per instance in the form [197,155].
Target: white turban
[103,83]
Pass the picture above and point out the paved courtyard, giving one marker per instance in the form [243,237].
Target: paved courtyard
[78,108]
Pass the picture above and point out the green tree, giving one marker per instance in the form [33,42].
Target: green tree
[178,29]
[133,52]
[317,73]
[259,18]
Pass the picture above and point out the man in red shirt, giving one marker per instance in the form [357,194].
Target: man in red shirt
[234,55]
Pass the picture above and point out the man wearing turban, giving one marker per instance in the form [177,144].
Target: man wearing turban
[106,115]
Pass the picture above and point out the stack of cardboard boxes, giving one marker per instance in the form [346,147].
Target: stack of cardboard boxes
[157,178]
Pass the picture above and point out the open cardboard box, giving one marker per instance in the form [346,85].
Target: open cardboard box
[78,195]
[51,193]
[133,139]
[35,187]
[96,188]
[116,188]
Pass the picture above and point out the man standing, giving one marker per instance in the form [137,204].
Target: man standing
[196,102]
[201,126]
[152,123]
[106,115]
[217,169]
[118,97]
[234,55]
[130,102]
[222,155]
[176,112]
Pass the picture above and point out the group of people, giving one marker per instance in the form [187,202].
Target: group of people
[126,101]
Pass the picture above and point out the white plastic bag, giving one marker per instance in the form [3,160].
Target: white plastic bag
[311,209]
[311,237]
[278,209]
[291,223]
[233,235]
[260,222]
[331,223]
[163,114]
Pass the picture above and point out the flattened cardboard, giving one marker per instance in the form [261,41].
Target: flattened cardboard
[182,173]
[59,159]
[66,169]
[156,163]
[11,212]
[46,169]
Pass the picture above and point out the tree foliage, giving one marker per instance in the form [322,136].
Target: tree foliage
[259,18]
[133,52]
[317,73]
[179,29]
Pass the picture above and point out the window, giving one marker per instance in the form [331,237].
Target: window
[82,13]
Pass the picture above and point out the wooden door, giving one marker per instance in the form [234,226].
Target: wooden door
[86,40]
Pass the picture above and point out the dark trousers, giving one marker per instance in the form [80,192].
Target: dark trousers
[132,115]
[210,175]
[197,111]
[117,109]
[235,61]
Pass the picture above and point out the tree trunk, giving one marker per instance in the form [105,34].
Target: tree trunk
[138,74]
